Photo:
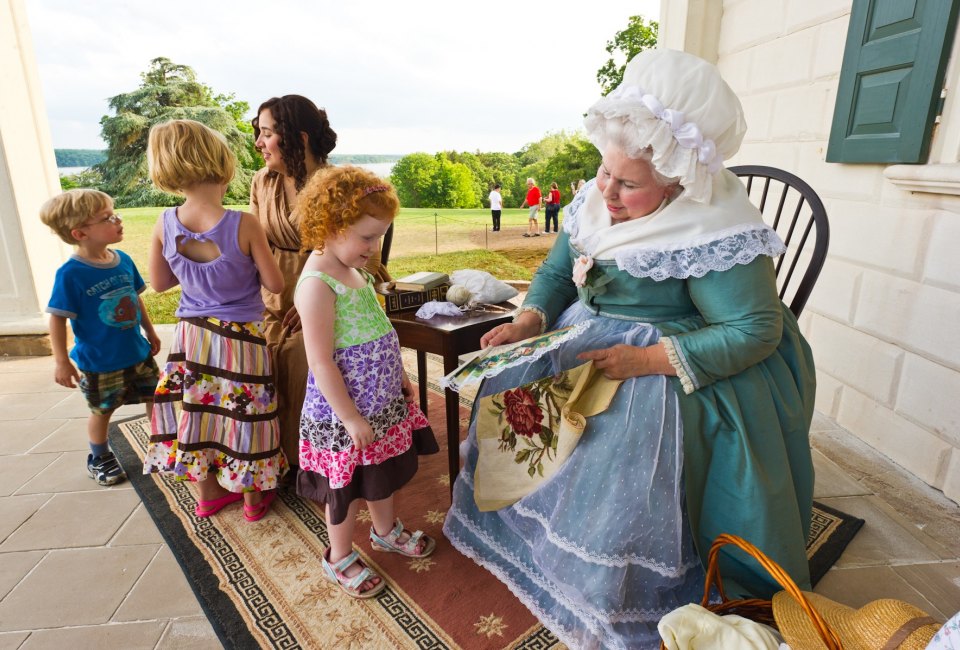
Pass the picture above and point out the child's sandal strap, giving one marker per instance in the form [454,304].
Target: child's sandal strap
[342,565]
[411,544]
[353,584]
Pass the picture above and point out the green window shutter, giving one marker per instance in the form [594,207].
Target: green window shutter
[889,93]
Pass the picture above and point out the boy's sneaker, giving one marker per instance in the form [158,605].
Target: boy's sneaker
[105,469]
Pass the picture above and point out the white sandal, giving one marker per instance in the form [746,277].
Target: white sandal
[390,542]
[351,585]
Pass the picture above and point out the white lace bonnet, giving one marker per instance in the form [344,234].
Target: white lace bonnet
[682,109]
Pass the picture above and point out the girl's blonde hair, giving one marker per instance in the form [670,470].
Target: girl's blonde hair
[336,198]
[71,209]
[181,153]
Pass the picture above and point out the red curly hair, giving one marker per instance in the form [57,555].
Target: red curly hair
[335,198]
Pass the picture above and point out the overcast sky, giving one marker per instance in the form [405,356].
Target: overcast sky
[395,77]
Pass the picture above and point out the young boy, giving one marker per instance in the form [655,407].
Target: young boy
[98,290]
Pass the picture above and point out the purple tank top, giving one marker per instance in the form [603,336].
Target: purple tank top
[228,287]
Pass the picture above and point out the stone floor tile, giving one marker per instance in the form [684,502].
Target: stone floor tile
[12,640]
[924,507]
[855,587]
[128,411]
[68,473]
[72,405]
[74,520]
[26,406]
[32,381]
[23,435]
[884,539]
[17,470]
[851,454]
[832,481]
[16,510]
[9,365]
[192,632]
[129,636]
[47,598]
[161,592]
[71,435]
[14,566]
[939,583]
[138,529]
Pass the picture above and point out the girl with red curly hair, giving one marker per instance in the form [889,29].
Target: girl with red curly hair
[360,430]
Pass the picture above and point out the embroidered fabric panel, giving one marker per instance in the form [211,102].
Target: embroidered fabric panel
[722,254]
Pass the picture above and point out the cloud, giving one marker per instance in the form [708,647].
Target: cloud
[395,77]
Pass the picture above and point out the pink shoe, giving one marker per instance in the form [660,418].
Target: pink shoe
[259,511]
[207,508]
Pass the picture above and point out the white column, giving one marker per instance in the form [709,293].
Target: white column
[29,253]
[691,26]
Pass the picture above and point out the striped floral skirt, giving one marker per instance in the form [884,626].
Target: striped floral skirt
[215,408]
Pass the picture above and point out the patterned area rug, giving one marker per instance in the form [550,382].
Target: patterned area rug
[260,584]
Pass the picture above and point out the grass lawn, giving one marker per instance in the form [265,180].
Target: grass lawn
[425,239]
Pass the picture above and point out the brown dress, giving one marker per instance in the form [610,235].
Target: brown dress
[276,209]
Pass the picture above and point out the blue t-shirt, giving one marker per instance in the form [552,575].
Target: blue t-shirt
[102,303]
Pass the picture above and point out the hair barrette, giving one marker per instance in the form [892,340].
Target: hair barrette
[375,188]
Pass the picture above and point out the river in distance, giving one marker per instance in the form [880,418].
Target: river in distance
[382,169]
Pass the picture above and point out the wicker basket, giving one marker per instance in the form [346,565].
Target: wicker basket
[755,609]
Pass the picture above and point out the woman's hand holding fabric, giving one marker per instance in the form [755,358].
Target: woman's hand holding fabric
[291,318]
[625,361]
[526,325]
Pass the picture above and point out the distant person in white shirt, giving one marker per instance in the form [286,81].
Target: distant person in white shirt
[496,205]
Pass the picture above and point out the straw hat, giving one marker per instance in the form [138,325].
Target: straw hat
[885,624]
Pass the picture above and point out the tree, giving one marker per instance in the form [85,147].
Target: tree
[639,35]
[88,178]
[425,181]
[577,159]
[169,91]
[504,169]
[412,176]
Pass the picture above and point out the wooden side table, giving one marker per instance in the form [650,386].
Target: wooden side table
[449,337]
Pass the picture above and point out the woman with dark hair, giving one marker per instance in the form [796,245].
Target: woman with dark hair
[294,137]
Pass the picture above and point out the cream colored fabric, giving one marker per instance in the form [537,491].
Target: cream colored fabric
[692,627]
[524,435]
[682,108]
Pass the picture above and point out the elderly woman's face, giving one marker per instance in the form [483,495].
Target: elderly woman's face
[628,185]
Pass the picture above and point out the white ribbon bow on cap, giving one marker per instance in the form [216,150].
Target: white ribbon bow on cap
[687,134]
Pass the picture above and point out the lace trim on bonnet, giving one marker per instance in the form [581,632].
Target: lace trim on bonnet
[679,148]
[717,251]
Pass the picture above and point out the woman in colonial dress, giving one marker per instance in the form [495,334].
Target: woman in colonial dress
[671,266]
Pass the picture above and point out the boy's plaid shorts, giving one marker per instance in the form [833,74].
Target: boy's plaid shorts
[105,392]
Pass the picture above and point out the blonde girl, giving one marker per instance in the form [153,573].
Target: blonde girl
[215,413]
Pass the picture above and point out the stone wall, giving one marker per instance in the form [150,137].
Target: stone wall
[884,319]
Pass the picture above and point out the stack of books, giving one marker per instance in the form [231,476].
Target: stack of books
[412,291]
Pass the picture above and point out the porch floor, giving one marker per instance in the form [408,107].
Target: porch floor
[84,566]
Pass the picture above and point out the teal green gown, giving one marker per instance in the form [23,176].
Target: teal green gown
[619,536]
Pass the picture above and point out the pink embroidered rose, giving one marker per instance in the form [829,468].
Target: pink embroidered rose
[583,264]
[522,411]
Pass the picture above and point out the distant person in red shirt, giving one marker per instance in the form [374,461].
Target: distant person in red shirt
[533,202]
[553,209]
